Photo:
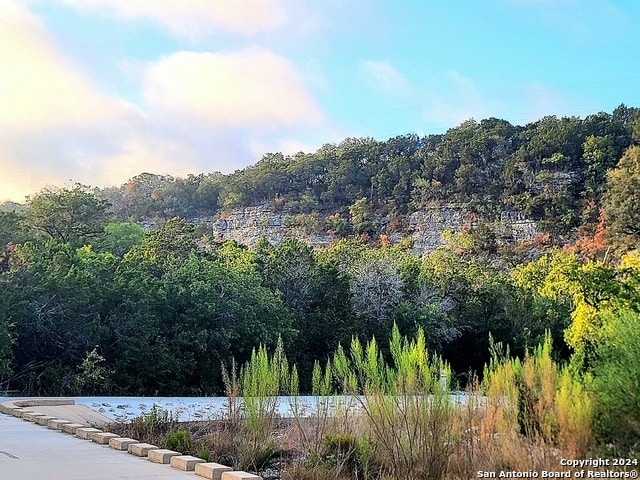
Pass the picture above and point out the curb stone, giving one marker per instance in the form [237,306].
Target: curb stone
[208,470]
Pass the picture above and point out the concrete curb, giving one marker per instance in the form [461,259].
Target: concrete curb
[86,432]
[162,455]
[186,463]
[103,438]
[44,420]
[209,470]
[57,423]
[142,449]
[72,427]
[122,443]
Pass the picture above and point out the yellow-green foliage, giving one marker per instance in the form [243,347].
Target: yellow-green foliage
[407,408]
[574,407]
[261,380]
[592,289]
[536,398]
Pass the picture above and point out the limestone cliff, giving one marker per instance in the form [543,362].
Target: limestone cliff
[425,227]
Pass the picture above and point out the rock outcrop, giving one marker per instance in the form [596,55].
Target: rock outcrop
[425,228]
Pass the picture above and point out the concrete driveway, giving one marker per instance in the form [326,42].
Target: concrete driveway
[30,452]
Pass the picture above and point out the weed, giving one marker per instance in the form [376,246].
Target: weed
[180,441]
[261,381]
[406,408]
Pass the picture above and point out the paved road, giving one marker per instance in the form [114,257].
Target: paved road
[31,452]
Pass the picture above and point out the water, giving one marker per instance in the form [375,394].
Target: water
[181,408]
[185,409]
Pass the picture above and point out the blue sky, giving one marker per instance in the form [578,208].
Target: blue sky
[97,91]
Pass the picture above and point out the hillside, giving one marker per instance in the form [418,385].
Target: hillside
[550,174]
[99,283]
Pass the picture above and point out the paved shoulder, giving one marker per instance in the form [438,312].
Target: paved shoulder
[29,451]
[56,407]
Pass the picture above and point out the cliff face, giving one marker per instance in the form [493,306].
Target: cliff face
[425,228]
[248,225]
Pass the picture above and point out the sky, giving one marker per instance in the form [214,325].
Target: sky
[98,91]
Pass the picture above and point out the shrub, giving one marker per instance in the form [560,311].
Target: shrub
[617,381]
[180,441]
[151,427]
[260,381]
[539,400]
[406,406]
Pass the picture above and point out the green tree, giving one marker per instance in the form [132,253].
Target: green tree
[11,230]
[175,239]
[151,196]
[120,237]
[11,233]
[599,153]
[316,293]
[383,286]
[59,296]
[617,378]
[67,215]
[621,201]
[6,332]
[588,291]
[362,217]
[182,312]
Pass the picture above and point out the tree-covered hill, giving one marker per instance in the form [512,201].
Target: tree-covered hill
[94,301]
[553,170]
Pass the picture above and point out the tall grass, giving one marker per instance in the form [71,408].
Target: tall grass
[525,415]
[407,410]
[534,411]
[314,421]
[260,382]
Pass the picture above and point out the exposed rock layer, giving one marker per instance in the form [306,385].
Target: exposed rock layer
[425,228]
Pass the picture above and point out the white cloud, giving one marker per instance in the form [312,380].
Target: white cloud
[37,84]
[54,121]
[383,77]
[196,18]
[202,112]
[251,87]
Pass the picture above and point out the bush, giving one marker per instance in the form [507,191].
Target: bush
[260,381]
[407,407]
[617,381]
[179,441]
[152,426]
[539,400]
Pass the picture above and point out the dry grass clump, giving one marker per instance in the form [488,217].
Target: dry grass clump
[532,414]
[379,419]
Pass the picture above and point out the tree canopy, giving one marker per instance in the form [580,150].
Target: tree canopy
[67,215]
[125,291]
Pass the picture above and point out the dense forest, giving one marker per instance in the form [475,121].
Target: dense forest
[553,171]
[118,291]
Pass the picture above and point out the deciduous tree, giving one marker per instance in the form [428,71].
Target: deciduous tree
[622,199]
[68,215]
